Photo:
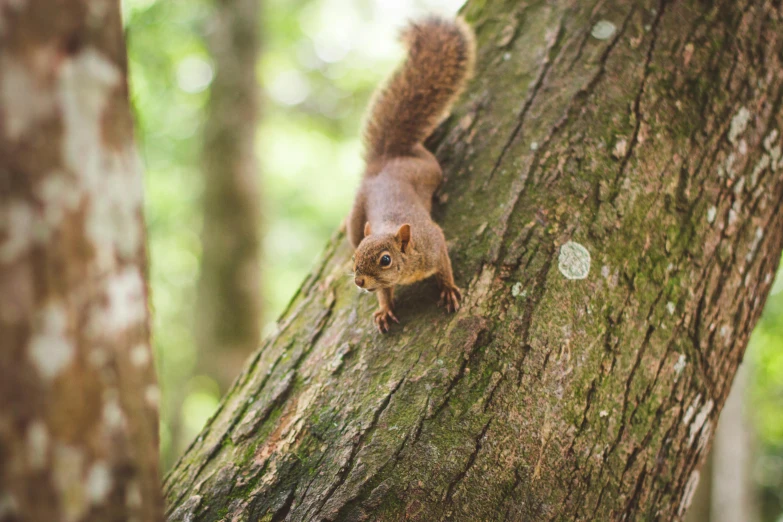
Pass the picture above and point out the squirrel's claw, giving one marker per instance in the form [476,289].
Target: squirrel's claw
[450,298]
[382,318]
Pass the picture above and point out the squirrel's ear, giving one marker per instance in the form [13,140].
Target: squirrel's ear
[404,237]
[367,231]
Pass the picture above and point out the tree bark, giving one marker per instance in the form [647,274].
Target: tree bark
[78,398]
[229,298]
[645,134]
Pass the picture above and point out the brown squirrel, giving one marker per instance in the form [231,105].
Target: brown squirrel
[396,241]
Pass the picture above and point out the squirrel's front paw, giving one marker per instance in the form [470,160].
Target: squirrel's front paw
[450,297]
[382,318]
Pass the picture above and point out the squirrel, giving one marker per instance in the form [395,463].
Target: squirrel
[396,240]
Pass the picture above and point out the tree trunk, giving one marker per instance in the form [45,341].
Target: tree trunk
[733,486]
[229,300]
[611,202]
[78,399]
[726,491]
[700,508]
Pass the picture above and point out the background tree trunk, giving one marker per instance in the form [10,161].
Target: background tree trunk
[732,456]
[726,491]
[700,508]
[645,134]
[78,399]
[229,300]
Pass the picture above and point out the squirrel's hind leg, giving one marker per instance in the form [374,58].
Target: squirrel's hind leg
[356,220]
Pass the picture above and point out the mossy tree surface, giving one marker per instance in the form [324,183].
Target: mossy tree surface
[647,134]
[78,397]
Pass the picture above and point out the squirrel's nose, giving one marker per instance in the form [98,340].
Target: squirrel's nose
[359,281]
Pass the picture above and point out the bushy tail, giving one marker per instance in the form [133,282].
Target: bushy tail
[406,110]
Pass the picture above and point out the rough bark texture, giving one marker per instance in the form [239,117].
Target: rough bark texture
[229,300]
[78,399]
[646,132]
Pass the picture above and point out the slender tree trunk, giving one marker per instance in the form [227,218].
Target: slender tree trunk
[726,491]
[732,455]
[611,203]
[229,300]
[78,399]
[702,498]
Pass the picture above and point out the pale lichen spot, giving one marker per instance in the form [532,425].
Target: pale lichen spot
[774,151]
[112,177]
[738,124]
[680,365]
[699,420]
[757,237]
[603,413]
[770,139]
[691,410]
[125,306]
[99,482]
[670,307]
[50,349]
[97,11]
[688,492]
[725,332]
[687,53]
[114,222]
[26,99]
[113,416]
[534,146]
[603,30]
[739,186]
[58,196]
[711,213]
[84,86]
[620,148]
[152,396]
[605,271]
[760,166]
[732,217]
[37,445]
[516,290]
[774,156]
[17,222]
[336,362]
[728,165]
[67,470]
[140,355]
[133,497]
[574,261]
[704,438]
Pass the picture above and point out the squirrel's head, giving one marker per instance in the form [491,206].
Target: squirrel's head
[380,259]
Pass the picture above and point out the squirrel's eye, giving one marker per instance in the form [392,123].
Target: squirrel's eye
[386,260]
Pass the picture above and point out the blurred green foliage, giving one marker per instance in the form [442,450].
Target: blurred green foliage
[764,403]
[321,61]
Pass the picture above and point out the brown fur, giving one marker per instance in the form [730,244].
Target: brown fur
[391,212]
